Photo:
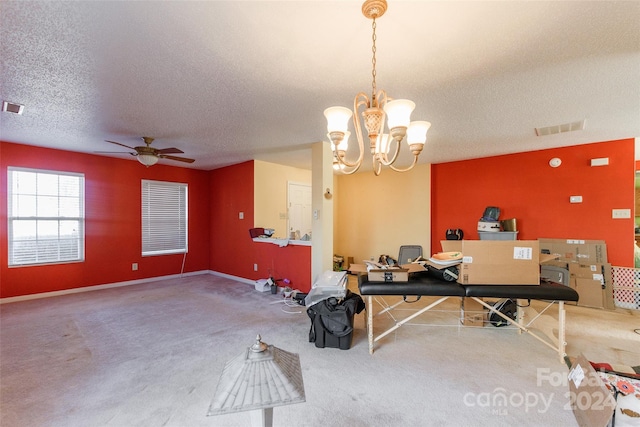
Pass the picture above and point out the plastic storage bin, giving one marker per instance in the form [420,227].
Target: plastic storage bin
[498,235]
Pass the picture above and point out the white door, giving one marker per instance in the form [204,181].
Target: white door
[299,196]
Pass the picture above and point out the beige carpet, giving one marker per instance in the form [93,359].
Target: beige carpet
[152,355]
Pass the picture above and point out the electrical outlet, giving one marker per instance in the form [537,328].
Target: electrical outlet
[255,267]
[241,215]
[134,266]
[620,213]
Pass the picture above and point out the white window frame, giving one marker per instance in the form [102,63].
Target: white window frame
[44,207]
[165,217]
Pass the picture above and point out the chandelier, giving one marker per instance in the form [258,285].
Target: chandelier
[397,113]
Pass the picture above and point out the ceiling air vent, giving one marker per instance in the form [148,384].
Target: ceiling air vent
[10,107]
[566,127]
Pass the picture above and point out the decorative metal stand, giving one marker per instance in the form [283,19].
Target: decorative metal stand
[257,380]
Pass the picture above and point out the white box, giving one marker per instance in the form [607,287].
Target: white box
[491,226]
[263,285]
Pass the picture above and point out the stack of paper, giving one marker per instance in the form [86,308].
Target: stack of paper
[445,259]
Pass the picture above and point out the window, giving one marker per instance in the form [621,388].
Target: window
[46,216]
[164,218]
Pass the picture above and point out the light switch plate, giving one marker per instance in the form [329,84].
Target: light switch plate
[575,199]
[620,213]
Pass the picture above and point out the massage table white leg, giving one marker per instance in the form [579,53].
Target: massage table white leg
[370,322]
[561,320]
[562,344]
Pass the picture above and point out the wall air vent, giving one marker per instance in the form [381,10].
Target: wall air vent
[566,127]
[10,107]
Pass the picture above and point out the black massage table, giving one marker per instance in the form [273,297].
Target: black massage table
[421,284]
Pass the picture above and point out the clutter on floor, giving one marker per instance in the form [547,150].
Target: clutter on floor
[601,396]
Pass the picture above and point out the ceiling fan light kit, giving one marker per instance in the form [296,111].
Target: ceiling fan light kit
[147,159]
[376,109]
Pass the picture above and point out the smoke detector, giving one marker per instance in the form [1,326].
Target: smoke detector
[566,127]
[10,107]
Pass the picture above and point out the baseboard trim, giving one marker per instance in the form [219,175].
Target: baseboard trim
[120,284]
[236,278]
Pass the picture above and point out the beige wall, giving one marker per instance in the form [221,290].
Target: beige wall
[371,215]
[377,214]
[270,194]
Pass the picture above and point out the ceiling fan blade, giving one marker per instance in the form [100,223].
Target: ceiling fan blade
[118,143]
[113,152]
[179,159]
[172,150]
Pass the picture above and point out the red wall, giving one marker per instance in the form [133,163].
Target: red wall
[232,249]
[525,187]
[231,192]
[522,185]
[113,222]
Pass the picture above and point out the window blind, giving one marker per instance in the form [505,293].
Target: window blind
[164,217]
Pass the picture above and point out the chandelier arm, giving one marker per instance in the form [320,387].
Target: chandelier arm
[346,163]
[361,99]
[385,159]
[382,98]
[349,172]
[415,161]
[377,165]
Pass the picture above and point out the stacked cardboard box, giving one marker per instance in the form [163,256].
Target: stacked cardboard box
[471,312]
[490,262]
[589,272]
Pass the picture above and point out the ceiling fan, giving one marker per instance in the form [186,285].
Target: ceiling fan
[149,156]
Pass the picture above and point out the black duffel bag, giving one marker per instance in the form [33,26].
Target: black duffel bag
[332,321]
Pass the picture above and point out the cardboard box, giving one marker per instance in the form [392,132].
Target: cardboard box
[451,245]
[471,312]
[494,262]
[575,250]
[362,268]
[389,275]
[594,284]
[592,403]
[586,261]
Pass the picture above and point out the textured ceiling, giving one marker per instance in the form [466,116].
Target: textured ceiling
[230,81]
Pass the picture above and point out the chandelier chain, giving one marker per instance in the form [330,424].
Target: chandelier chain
[373,63]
